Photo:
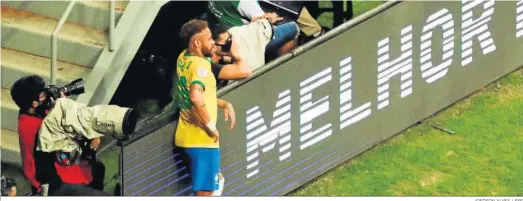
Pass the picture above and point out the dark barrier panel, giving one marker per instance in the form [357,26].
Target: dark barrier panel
[330,103]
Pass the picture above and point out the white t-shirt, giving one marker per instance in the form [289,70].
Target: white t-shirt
[252,40]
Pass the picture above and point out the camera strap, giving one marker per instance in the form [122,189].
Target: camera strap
[69,158]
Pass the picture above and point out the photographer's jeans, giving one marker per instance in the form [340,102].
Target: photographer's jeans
[282,34]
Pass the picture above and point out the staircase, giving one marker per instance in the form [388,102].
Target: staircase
[26,49]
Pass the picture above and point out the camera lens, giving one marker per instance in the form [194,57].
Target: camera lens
[76,87]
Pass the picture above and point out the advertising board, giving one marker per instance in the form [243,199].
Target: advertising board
[338,99]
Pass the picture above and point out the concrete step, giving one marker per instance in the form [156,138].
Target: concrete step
[10,148]
[30,33]
[94,14]
[17,64]
[9,114]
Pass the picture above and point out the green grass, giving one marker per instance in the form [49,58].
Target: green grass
[110,158]
[483,158]
[360,6]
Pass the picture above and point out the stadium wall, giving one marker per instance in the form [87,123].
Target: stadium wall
[310,111]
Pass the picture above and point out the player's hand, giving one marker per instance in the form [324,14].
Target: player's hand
[95,143]
[62,95]
[216,136]
[229,113]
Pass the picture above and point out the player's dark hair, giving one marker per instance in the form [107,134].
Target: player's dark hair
[191,28]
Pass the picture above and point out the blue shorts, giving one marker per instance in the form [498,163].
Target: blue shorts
[205,168]
[283,33]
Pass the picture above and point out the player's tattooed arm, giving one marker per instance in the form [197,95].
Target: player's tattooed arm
[199,109]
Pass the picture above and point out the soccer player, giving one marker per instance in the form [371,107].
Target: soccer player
[196,133]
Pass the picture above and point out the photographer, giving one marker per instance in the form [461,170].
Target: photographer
[40,167]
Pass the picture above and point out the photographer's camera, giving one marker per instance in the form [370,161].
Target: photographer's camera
[76,87]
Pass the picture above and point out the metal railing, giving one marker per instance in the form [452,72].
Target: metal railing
[63,18]
[111,25]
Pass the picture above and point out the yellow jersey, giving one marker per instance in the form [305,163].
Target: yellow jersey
[194,70]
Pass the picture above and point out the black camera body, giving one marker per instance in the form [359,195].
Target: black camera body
[84,153]
[76,87]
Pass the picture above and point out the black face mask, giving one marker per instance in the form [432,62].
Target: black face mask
[40,111]
[44,106]
[227,46]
